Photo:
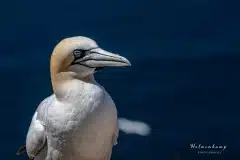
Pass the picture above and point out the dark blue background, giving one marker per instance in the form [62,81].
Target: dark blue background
[184,79]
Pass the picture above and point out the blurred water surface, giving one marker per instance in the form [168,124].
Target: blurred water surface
[184,79]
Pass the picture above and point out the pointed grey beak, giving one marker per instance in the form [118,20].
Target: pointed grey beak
[101,58]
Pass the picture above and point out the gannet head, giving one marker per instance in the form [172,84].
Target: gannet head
[83,56]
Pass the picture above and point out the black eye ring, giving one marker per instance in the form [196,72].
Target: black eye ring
[79,53]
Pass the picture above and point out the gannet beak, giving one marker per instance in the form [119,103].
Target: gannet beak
[101,58]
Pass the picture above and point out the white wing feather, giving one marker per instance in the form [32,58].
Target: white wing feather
[36,138]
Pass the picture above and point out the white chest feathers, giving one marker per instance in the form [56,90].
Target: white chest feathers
[86,107]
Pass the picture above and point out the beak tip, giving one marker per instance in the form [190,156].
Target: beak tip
[127,62]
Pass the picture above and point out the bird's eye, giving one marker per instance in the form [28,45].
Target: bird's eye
[79,53]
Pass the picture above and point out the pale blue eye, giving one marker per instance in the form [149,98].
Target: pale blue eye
[79,53]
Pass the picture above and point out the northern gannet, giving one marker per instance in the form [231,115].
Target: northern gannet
[79,121]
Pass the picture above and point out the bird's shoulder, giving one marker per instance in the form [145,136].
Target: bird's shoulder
[42,108]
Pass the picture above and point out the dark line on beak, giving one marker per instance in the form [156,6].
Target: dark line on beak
[82,64]
[75,59]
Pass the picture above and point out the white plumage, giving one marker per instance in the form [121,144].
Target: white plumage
[79,121]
